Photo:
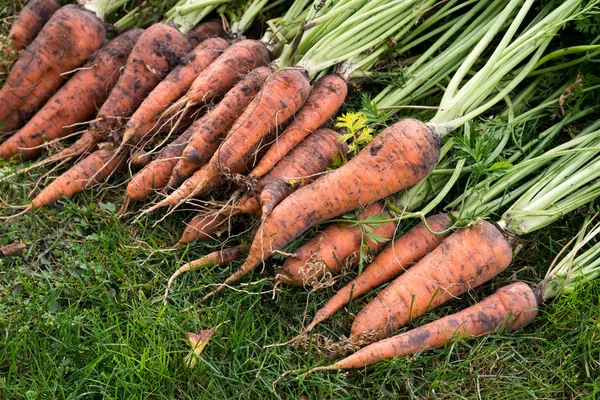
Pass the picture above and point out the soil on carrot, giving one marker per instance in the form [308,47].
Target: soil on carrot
[81,312]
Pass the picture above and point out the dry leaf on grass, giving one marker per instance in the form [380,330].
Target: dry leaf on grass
[12,249]
[197,342]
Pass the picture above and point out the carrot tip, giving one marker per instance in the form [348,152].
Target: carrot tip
[214,292]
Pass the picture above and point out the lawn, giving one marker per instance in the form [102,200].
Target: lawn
[81,316]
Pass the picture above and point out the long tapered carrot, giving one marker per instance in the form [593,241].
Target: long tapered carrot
[399,157]
[337,246]
[510,308]
[30,22]
[209,131]
[65,42]
[326,98]
[206,30]
[400,255]
[283,94]
[175,85]
[219,257]
[463,261]
[157,51]
[81,176]
[75,102]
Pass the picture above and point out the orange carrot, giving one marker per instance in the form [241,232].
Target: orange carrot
[81,176]
[511,307]
[326,98]
[220,257]
[206,30]
[283,94]
[32,19]
[336,246]
[390,263]
[304,164]
[399,157]
[65,42]
[203,227]
[175,85]
[221,75]
[463,261]
[155,175]
[157,51]
[208,131]
[73,103]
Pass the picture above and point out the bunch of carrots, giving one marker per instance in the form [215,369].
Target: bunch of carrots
[247,129]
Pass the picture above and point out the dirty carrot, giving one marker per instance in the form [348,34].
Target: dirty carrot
[325,99]
[372,175]
[30,22]
[510,308]
[66,41]
[209,131]
[75,102]
[175,84]
[396,258]
[337,247]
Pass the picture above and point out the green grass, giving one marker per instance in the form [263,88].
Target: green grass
[81,316]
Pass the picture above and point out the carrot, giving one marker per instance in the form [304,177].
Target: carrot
[206,30]
[303,165]
[155,175]
[81,176]
[157,51]
[65,42]
[73,103]
[390,263]
[140,158]
[511,307]
[327,96]
[463,261]
[209,131]
[175,85]
[223,74]
[335,247]
[32,19]
[400,156]
[220,257]
[284,92]
[203,227]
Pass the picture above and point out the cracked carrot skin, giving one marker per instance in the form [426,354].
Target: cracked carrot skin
[396,258]
[333,248]
[463,261]
[66,41]
[30,22]
[398,158]
[75,102]
[510,308]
